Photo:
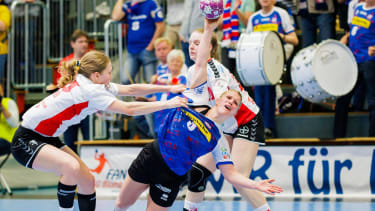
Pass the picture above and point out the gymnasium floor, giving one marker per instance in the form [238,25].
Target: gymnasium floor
[44,200]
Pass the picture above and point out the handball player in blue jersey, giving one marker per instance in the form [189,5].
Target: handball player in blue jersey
[185,135]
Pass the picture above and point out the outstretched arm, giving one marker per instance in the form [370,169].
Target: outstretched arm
[235,178]
[200,71]
[145,89]
[140,108]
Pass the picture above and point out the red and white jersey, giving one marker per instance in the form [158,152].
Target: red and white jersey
[68,106]
[219,80]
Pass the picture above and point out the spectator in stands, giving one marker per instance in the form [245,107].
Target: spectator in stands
[145,20]
[174,19]
[316,14]
[8,121]
[270,18]
[4,25]
[79,44]
[193,19]
[162,48]
[362,44]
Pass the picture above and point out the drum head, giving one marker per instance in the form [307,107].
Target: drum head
[273,57]
[335,68]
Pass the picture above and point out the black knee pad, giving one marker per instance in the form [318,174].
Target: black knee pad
[197,178]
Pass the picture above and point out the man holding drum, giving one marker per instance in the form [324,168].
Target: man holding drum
[270,18]
[362,44]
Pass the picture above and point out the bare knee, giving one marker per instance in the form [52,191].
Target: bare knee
[124,204]
[70,168]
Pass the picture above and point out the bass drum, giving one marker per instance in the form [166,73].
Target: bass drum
[260,58]
[325,71]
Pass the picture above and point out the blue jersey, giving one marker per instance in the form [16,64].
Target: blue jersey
[362,33]
[184,135]
[141,18]
[278,20]
[162,69]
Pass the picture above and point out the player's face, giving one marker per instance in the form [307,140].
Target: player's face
[106,76]
[194,41]
[161,51]
[229,103]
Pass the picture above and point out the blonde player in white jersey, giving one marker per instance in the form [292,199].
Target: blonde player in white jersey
[244,131]
[88,89]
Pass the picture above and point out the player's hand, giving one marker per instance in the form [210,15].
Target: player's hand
[211,24]
[266,187]
[177,88]
[177,102]
[371,50]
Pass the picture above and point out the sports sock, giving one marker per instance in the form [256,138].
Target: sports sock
[264,207]
[65,196]
[87,202]
[191,206]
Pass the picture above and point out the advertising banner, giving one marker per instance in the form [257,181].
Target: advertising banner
[306,171]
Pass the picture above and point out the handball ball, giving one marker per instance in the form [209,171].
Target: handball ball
[211,9]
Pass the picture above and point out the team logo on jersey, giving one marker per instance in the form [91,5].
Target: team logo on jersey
[199,124]
[274,20]
[370,16]
[256,21]
[191,126]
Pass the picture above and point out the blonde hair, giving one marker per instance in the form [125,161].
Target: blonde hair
[163,39]
[93,61]
[214,43]
[233,90]
[176,53]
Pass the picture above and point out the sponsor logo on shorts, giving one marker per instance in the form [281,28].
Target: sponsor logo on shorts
[162,188]
[164,197]
[244,130]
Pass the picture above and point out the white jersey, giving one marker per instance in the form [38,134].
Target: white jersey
[219,80]
[68,106]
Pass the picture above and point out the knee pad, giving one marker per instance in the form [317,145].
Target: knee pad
[197,178]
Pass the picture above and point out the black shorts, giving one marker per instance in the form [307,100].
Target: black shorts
[252,130]
[150,168]
[27,143]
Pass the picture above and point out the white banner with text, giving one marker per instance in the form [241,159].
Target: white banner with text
[305,171]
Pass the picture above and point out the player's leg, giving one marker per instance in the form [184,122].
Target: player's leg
[197,178]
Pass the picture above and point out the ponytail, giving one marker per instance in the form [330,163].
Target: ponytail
[93,61]
[68,71]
